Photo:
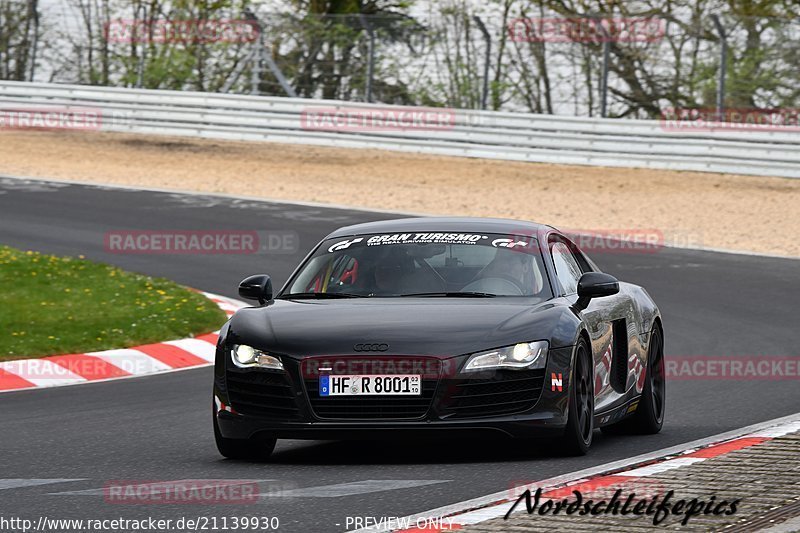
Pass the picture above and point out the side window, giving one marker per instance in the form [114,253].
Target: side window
[580,257]
[567,268]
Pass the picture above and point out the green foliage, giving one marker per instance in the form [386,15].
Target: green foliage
[53,305]
[323,49]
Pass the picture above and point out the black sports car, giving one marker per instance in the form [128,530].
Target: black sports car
[426,324]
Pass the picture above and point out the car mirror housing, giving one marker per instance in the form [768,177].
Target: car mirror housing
[257,287]
[595,285]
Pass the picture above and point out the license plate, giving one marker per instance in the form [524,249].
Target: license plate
[372,385]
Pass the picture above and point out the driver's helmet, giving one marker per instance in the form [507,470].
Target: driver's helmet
[382,268]
[514,266]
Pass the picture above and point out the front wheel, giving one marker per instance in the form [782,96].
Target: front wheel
[255,449]
[580,422]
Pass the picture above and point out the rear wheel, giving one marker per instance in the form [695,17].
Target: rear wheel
[649,416]
[254,449]
[580,422]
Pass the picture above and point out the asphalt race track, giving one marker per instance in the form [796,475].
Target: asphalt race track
[159,427]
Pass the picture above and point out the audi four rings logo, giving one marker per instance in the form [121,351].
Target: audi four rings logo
[382,347]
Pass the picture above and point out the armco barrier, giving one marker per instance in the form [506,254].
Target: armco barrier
[484,134]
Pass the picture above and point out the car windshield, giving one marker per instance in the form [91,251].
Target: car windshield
[423,265]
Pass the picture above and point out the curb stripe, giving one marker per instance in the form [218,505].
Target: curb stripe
[41,372]
[9,381]
[660,467]
[88,366]
[209,337]
[777,431]
[200,348]
[585,486]
[131,361]
[726,447]
[171,355]
[72,369]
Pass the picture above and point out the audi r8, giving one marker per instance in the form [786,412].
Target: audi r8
[420,325]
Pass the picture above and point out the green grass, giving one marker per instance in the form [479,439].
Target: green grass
[54,305]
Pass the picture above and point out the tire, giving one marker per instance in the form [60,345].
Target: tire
[255,449]
[580,422]
[648,418]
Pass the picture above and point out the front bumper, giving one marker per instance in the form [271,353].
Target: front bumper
[251,402]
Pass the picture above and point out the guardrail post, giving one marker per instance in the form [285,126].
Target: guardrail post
[488,39]
[255,72]
[723,56]
[604,74]
[371,53]
[140,63]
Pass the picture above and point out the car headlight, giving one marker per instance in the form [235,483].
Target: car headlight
[527,355]
[245,356]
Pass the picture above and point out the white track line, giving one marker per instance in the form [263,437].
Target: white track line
[365,486]
[161,487]
[338,490]
[21,483]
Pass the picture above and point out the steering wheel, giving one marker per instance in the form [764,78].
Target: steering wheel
[504,285]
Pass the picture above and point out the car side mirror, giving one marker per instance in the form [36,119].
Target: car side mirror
[595,285]
[258,287]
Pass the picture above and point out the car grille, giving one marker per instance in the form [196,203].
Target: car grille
[372,407]
[507,392]
[266,394]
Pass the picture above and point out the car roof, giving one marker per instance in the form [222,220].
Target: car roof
[445,224]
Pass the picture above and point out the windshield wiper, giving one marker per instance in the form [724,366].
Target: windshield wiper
[320,295]
[465,294]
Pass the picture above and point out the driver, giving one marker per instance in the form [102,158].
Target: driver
[512,266]
[385,270]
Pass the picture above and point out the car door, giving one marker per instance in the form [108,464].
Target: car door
[609,320]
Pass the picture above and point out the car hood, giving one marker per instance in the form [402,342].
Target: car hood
[430,326]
